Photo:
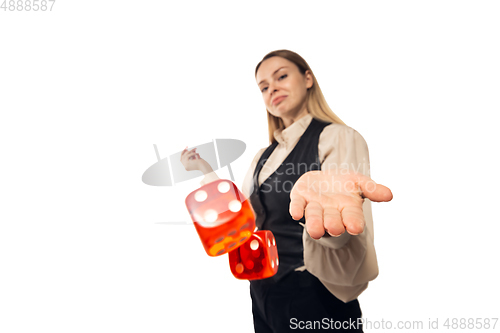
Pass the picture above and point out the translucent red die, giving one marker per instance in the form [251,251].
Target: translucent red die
[222,217]
[255,259]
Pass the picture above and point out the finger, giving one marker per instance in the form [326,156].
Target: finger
[333,221]
[353,219]
[190,154]
[373,191]
[193,153]
[297,205]
[187,156]
[314,220]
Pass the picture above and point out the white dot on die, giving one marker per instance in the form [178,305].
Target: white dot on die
[272,264]
[223,187]
[235,206]
[200,196]
[274,243]
[277,263]
[269,243]
[254,245]
[211,215]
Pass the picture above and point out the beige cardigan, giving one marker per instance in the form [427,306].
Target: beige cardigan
[343,264]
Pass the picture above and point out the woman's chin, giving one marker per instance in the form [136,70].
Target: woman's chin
[279,113]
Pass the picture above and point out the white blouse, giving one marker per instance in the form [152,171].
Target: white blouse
[346,263]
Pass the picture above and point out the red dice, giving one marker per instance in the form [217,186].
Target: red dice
[222,217]
[255,259]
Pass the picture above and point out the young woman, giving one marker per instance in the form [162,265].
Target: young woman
[311,188]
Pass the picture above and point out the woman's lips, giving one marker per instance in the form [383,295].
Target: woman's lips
[278,99]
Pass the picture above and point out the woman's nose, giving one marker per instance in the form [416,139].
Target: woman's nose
[272,89]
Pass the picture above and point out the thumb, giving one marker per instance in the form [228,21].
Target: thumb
[373,191]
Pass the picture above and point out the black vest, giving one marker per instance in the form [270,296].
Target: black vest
[271,200]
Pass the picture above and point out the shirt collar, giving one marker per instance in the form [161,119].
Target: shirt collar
[294,131]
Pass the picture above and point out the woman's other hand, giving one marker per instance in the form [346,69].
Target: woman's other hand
[191,160]
[332,201]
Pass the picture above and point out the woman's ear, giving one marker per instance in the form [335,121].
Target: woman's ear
[309,79]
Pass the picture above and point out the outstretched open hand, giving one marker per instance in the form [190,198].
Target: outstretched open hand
[333,201]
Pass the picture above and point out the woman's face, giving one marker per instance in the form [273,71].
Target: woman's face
[283,88]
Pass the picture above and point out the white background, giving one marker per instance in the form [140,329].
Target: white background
[87,89]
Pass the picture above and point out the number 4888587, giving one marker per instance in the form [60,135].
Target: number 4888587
[27,5]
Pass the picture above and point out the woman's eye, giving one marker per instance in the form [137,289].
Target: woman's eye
[283,76]
[263,89]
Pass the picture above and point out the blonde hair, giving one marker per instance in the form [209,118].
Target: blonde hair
[316,103]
